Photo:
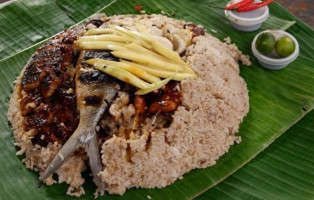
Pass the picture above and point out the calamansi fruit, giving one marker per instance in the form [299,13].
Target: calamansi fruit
[285,46]
[265,43]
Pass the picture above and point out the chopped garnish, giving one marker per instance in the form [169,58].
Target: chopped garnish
[147,60]
[143,59]
[161,49]
[120,74]
[161,73]
[108,37]
[103,45]
[99,31]
[129,67]
[141,28]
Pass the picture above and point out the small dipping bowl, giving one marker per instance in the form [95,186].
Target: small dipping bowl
[272,60]
[247,21]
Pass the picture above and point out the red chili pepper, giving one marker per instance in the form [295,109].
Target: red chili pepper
[138,8]
[254,6]
[238,4]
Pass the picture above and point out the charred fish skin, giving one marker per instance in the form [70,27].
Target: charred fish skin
[105,54]
[94,77]
[48,101]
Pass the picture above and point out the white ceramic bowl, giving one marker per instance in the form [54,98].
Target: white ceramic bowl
[272,60]
[247,21]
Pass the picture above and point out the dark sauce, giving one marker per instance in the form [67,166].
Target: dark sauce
[169,93]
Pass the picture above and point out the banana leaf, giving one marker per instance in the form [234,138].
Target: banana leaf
[283,171]
[24,23]
[278,100]
[79,10]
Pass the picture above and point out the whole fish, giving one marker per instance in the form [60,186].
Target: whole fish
[95,91]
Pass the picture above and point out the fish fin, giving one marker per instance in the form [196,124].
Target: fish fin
[92,150]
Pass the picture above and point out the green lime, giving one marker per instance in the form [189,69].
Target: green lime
[285,46]
[265,43]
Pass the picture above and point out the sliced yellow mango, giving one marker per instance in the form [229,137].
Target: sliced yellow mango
[106,37]
[139,49]
[147,60]
[154,86]
[139,37]
[160,73]
[141,27]
[98,31]
[103,45]
[120,74]
[129,67]
[156,45]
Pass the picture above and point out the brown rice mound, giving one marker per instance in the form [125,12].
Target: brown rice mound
[202,129]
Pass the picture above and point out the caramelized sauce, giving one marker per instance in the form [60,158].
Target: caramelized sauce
[49,105]
[161,98]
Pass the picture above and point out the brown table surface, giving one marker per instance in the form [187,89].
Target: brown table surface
[303,9]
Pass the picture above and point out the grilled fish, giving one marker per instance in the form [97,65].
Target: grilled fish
[94,93]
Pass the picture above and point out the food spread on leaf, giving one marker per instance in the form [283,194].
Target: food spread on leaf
[139,99]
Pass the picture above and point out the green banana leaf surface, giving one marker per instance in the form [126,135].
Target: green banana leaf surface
[283,171]
[279,103]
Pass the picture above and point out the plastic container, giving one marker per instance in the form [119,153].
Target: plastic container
[272,60]
[247,21]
